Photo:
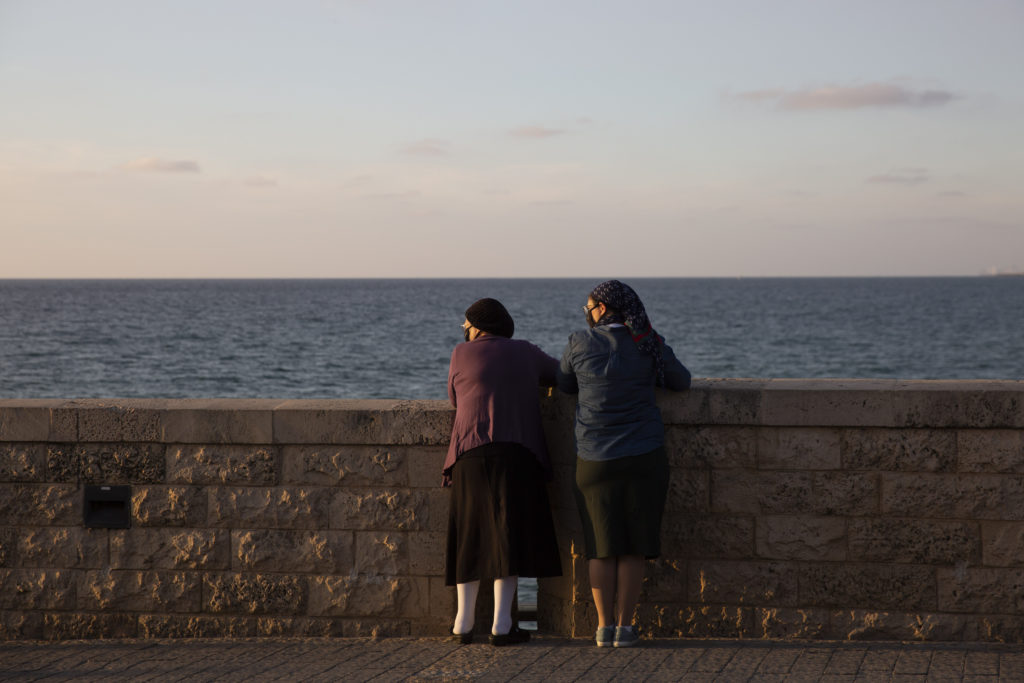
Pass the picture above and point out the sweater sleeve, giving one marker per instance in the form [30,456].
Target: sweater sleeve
[451,380]
[566,376]
[677,377]
[547,367]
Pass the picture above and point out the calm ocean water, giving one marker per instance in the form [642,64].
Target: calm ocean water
[393,338]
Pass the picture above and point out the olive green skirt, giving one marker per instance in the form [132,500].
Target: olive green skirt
[621,502]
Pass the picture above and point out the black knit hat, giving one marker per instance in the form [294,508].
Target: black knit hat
[488,315]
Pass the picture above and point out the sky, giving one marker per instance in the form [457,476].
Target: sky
[479,138]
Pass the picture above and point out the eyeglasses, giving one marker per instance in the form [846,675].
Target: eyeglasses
[588,309]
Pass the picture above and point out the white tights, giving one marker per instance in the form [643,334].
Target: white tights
[504,591]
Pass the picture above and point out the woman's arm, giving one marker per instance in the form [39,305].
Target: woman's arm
[677,377]
[566,376]
[451,381]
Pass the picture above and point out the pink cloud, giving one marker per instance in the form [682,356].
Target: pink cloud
[535,132]
[850,97]
[162,165]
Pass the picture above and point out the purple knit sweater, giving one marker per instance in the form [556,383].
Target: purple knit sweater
[494,383]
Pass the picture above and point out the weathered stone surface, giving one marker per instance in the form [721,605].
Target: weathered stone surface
[395,509]
[914,541]
[169,506]
[995,628]
[123,421]
[688,491]
[801,538]
[269,508]
[443,602]
[868,586]
[899,450]
[688,621]
[846,493]
[375,628]
[26,419]
[717,447]
[40,504]
[63,424]
[381,553]
[8,544]
[957,496]
[736,583]
[346,465]
[221,464]
[707,537]
[22,462]
[133,591]
[297,552]
[807,448]
[179,626]
[981,590]
[29,589]
[975,404]
[237,421]
[62,547]
[687,407]
[426,553]
[744,491]
[424,466]
[664,581]
[106,463]
[1002,544]
[75,626]
[735,401]
[828,402]
[990,450]
[787,623]
[368,596]
[21,625]
[427,423]
[254,594]
[143,548]
[903,626]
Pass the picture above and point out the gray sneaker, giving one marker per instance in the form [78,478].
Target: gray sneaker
[625,636]
[605,635]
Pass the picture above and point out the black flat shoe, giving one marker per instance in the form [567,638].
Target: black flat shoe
[461,638]
[513,637]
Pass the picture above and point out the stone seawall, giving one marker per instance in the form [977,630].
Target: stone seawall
[798,508]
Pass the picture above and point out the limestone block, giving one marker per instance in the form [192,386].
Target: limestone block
[442,600]
[801,538]
[803,448]
[278,550]
[26,419]
[716,447]
[688,491]
[133,591]
[123,420]
[560,492]
[254,594]
[789,623]
[828,403]
[40,504]
[169,506]
[687,407]
[269,508]
[368,596]
[33,589]
[846,493]
[899,450]
[915,541]
[736,583]
[180,626]
[236,421]
[292,627]
[76,626]
[990,450]
[21,625]
[981,590]
[63,424]
[867,586]
[1002,544]
[900,626]
[735,401]
[671,620]
[438,501]
[375,628]
[109,463]
[382,553]
[424,466]
[394,509]
[700,536]
[22,462]
[957,496]
[345,465]
[62,547]
[977,404]
[996,628]
[8,545]
[664,581]
[427,553]
[744,491]
[426,423]
[155,548]
[219,464]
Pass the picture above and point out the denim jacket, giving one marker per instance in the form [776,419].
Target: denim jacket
[616,413]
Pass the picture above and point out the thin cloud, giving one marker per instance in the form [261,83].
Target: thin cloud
[427,148]
[850,97]
[905,176]
[260,181]
[535,132]
[162,165]
[952,194]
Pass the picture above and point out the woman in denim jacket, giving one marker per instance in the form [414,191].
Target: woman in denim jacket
[621,467]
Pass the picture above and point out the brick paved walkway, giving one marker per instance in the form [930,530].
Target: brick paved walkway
[544,659]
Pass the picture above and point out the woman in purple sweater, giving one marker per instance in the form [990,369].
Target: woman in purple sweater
[499,525]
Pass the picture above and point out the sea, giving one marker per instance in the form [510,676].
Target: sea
[392,338]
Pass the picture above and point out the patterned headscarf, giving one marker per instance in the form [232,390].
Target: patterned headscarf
[629,310]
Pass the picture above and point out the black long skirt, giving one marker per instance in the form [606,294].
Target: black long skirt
[499,520]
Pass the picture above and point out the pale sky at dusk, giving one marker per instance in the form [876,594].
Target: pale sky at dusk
[363,138]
